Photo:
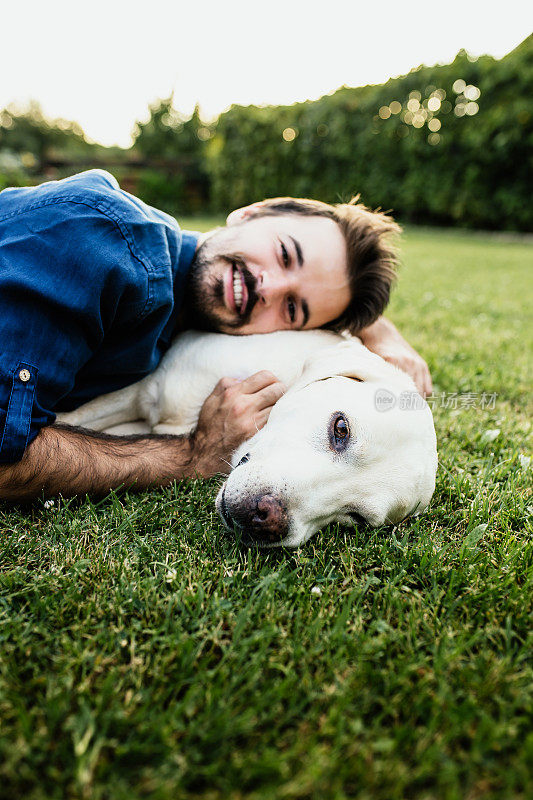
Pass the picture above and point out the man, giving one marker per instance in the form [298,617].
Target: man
[94,284]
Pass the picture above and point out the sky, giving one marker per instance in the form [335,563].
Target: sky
[101,63]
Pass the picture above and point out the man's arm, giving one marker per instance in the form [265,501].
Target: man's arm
[69,461]
[383,338]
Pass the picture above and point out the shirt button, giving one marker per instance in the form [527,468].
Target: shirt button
[24,375]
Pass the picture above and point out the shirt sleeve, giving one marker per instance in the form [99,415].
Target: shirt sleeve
[63,270]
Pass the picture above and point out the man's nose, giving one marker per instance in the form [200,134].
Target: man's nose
[273,285]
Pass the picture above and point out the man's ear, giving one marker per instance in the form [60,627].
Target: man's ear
[240,214]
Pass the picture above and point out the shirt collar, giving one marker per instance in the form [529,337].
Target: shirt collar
[189,243]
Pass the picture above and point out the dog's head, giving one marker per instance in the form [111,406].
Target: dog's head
[352,439]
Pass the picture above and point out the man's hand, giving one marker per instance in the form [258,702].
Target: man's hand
[384,339]
[231,414]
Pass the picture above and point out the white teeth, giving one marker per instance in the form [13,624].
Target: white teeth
[237,289]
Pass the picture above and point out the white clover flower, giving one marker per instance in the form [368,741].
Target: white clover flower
[490,435]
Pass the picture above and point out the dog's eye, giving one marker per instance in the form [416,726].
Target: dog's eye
[243,460]
[339,431]
[340,428]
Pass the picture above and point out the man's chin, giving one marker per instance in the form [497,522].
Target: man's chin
[233,331]
[232,328]
[204,307]
[219,320]
[203,321]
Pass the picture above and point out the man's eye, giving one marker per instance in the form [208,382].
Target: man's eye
[284,255]
[292,310]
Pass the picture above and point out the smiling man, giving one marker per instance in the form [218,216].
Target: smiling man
[267,272]
[94,284]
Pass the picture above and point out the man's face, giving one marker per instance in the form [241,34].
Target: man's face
[269,273]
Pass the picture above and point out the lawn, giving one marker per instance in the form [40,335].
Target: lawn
[145,654]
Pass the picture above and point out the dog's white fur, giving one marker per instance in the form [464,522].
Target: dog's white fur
[386,472]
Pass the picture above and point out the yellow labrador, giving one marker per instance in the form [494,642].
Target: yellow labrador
[351,438]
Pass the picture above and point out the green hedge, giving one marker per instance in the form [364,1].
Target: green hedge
[448,144]
[475,170]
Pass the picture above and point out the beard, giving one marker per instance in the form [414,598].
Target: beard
[203,306]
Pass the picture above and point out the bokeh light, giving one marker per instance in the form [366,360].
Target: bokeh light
[471,92]
[289,134]
[417,111]
[28,160]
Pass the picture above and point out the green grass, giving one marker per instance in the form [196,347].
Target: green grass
[144,653]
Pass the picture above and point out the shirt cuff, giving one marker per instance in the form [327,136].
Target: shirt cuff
[17,423]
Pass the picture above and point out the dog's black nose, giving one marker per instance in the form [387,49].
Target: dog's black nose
[262,517]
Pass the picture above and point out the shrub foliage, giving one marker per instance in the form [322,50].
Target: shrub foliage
[445,144]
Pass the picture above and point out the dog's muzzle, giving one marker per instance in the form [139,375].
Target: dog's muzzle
[262,517]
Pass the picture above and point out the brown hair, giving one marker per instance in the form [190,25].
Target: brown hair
[371,253]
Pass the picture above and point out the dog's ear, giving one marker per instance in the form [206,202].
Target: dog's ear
[350,359]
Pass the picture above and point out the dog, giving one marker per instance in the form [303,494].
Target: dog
[351,439]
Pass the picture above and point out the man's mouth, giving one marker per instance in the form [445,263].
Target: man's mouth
[238,293]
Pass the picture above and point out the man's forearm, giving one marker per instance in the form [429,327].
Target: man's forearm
[69,461]
[380,329]
[66,460]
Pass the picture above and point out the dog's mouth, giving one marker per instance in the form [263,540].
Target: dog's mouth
[226,516]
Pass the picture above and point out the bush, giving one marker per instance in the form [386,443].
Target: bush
[447,144]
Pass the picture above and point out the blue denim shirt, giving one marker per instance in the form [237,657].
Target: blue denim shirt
[91,283]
